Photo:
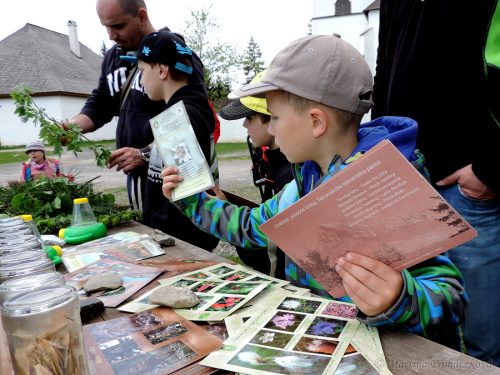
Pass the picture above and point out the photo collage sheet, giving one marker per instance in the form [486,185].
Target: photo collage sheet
[134,277]
[222,289]
[157,341]
[283,332]
[124,246]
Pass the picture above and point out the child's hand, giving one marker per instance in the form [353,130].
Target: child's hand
[372,285]
[171,179]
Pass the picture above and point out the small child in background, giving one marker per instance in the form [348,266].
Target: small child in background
[271,171]
[39,165]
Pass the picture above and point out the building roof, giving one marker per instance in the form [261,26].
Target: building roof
[373,6]
[42,60]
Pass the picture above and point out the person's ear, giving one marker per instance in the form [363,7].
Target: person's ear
[142,14]
[164,70]
[319,122]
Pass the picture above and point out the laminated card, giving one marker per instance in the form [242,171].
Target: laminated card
[379,206]
[178,146]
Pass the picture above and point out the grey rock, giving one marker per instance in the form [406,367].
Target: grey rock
[162,239]
[105,281]
[173,296]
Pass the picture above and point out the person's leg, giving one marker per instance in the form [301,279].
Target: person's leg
[479,262]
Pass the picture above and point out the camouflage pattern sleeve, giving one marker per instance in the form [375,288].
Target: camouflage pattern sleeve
[235,224]
[433,301]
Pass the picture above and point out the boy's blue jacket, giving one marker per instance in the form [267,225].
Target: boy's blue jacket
[433,300]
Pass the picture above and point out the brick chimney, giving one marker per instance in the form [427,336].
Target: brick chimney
[74,44]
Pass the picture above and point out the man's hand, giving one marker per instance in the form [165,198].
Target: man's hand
[171,179]
[126,159]
[372,285]
[469,184]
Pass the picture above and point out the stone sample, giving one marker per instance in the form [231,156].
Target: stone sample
[162,239]
[105,281]
[175,297]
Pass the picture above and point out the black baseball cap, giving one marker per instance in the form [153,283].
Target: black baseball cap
[166,48]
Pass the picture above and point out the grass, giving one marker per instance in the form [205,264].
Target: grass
[231,148]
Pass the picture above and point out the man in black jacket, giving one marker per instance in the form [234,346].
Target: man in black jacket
[447,77]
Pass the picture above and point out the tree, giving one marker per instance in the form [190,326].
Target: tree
[251,61]
[220,59]
[103,48]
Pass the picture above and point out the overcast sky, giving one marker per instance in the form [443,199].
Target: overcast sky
[272,23]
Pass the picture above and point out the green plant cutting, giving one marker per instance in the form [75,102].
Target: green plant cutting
[54,133]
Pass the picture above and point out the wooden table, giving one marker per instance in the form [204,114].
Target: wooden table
[405,353]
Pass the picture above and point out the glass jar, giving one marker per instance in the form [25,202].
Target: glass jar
[7,222]
[25,243]
[21,257]
[24,269]
[15,232]
[18,285]
[44,332]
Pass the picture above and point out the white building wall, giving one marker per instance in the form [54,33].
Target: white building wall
[15,132]
[322,8]
[232,131]
[357,28]
[349,27]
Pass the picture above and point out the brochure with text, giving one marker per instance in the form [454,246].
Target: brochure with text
[178,146]
[379,206]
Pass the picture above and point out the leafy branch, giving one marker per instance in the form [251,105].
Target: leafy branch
[53,132]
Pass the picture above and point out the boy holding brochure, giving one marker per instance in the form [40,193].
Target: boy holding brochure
[318,88]
[166,63]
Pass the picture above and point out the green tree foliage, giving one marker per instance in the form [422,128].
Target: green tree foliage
[251,62]
[220,59]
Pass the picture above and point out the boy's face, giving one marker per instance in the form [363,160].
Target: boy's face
[150,79]
[290,129]
[257,130]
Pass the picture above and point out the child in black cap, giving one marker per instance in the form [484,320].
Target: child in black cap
[166,66]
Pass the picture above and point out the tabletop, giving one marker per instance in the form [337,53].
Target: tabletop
[405,353]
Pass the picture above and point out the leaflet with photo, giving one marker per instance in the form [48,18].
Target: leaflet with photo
[379,206]
[134,277]
[127,249]
[178,146]
[153,342]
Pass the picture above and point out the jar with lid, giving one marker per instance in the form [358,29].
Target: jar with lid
[21,284]
[24,269]
[21,257]
[20,244]
[44,332]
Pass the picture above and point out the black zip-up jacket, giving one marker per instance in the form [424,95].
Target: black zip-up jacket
[441,69]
